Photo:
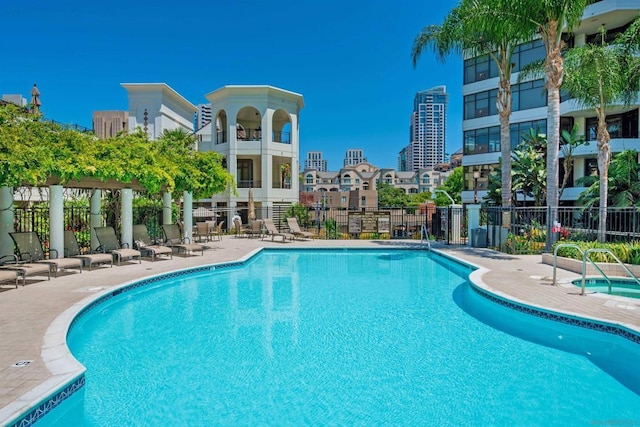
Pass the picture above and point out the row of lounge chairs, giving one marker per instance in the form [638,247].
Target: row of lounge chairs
[33,259]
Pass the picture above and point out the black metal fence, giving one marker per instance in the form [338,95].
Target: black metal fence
[533,229]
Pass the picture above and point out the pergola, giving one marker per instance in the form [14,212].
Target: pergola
[56,211]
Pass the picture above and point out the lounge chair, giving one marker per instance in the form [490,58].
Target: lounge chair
[143,243]
[294,227]
[9,276]
[30,248]
[173,239]
[273,231]
[72,250]
[109,243]
[23,268]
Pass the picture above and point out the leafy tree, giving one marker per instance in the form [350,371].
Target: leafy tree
[33,151]
[453,185]
[597,77]
[529,172]
[391,197]
[624,171]
[476,28]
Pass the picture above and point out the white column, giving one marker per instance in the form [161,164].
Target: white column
[56,220]
[187,221]
[6,220]
[126,217]
[96,216]
[473,220]
[166,208]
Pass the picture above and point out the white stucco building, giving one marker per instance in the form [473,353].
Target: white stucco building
[256,130]
[156,107]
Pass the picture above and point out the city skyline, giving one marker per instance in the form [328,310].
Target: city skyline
[350,61]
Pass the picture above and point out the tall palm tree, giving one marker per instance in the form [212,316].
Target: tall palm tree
[597,77]
[475,28]
[549,19]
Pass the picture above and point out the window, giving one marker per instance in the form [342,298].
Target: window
[590,167]
[309,179]
[343,199]
[363,201]
[619,126]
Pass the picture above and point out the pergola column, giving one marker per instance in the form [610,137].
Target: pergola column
[56,219]
[126,217]
[188,214]
[6,220]
[95,215]
[166,208]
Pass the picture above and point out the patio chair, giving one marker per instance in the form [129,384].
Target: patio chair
[255,229]
[9,276]
[109,243]
[273,231]
[72,250]
[30,249]
[201,231]
[294,227]
[23,268]
[217,233]
[143,243]
[173,238]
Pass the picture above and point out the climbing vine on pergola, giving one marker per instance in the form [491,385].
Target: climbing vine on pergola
[34,152]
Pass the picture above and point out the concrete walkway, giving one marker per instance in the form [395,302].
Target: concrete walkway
[34,318]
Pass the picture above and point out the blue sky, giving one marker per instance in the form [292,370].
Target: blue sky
[349,59]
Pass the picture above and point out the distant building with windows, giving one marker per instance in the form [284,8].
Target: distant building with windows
[107,124]
[353,157]
[355,186]
[315,161]
[203,115]
[481,124]
[427,131]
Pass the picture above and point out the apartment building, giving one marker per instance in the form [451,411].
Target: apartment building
[354,156]
[481,130]
[427,131]
[315,161]
[107,124]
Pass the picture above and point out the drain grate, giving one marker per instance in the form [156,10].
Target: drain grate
[21,363]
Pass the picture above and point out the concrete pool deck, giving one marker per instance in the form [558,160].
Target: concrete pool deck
[27,313]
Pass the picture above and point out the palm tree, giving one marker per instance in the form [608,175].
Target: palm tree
[474,28]
[549,18]
[623,182]
[597,78]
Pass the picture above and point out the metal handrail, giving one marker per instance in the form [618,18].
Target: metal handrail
[585,257]
[424,235]
[555,256]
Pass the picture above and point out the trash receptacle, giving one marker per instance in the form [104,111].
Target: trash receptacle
[478,238]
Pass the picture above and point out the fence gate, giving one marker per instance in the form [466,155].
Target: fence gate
[449,225]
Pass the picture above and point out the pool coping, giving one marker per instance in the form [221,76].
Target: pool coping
[68,374]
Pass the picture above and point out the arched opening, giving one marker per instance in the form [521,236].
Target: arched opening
[281,127]
[221,127]
[248,126]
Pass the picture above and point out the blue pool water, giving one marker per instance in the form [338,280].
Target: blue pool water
[340,338]
[619,287]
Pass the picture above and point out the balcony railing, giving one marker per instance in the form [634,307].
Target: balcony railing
[221,137]
[248,134]
[282,137]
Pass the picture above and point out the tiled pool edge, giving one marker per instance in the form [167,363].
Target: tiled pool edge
[574,319]
[67,372]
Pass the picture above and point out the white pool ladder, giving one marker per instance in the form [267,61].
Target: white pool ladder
[424,236]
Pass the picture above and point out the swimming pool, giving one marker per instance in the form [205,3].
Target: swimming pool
[619,287]
[339,337]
